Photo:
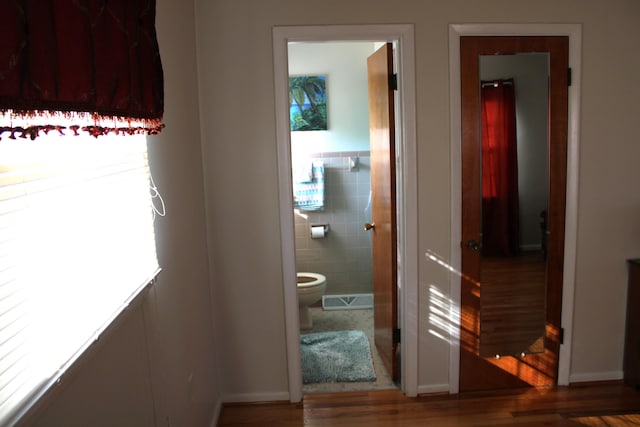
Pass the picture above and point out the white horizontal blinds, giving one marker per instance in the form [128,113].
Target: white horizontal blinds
[76,242]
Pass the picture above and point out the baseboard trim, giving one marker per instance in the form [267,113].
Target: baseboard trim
[432,389]
[596,376]
[216,413]
[276,396]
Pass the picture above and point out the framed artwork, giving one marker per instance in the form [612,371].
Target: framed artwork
[308,103]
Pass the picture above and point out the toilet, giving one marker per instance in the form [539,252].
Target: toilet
[311,287]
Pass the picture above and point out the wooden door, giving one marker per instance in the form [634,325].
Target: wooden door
[383,202]
[508,371]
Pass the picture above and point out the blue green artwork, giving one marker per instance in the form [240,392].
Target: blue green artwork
[308,103]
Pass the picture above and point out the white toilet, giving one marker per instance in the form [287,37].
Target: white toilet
[311,287]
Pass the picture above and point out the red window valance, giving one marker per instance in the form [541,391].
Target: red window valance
[80,59]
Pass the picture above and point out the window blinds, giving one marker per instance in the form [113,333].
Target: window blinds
[76,244]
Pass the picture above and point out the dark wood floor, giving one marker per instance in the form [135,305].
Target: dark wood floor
[610,404]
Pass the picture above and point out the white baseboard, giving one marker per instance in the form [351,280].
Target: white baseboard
[276,396]
[216,414]
[431,389]
[596,376]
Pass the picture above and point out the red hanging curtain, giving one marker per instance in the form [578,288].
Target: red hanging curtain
[91,60]
[500,206]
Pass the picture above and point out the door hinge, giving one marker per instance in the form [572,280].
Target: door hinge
[396,335]
[393,81]
[561,336]
[569,76]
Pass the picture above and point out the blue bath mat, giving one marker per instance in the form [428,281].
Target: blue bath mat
[337,356]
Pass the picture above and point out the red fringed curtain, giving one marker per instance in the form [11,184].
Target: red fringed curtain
[500,204]
[94,62]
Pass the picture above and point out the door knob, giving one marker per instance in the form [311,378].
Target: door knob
[473,245]
[369,227]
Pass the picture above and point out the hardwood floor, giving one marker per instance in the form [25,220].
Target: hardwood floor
[610,404]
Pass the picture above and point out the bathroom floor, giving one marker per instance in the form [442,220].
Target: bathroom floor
[340,320]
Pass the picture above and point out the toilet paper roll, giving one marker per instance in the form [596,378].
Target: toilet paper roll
[317,232]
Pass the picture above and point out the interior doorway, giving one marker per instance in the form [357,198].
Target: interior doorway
[401,36]
[337,97]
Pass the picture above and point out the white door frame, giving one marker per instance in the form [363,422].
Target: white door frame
[574,32]
[402,36]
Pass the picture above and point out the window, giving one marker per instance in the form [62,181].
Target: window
[76,245]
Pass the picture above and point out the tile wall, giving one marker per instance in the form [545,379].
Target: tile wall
[344,255]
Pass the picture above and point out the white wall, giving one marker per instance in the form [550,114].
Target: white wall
[138,373]
[345,65]
[237,101]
